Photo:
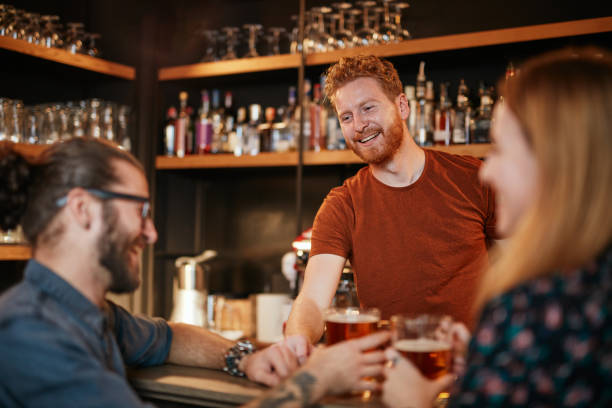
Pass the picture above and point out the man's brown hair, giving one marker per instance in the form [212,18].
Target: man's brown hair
[362,66]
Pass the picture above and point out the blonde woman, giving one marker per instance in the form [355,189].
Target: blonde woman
[545,332]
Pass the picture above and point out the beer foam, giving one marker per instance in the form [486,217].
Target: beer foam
[421,345]
[351,318]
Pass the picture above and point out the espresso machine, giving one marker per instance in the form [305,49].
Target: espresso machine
[190,289]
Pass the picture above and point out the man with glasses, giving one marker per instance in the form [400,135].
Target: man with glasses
[85,210]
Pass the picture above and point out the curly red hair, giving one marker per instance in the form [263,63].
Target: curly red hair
[368,66]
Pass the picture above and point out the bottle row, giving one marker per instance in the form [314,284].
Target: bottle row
[250,130]
[46,31]
[51,122]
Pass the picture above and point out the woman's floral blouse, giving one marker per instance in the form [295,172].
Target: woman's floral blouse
[546,343]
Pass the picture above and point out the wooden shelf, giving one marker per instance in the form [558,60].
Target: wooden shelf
[30,151]
[64,57]
[15,252]
[471,40]
[326,157]
[230,67]
[410,47]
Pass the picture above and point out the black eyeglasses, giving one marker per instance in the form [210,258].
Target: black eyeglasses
[109,195]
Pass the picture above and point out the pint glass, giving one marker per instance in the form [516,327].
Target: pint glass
[345,323]
[420,340]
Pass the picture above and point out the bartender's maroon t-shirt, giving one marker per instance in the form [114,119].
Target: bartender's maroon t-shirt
[414,249]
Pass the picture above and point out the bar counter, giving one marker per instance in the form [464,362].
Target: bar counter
[171,385]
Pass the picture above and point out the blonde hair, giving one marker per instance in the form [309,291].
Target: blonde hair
[563,101]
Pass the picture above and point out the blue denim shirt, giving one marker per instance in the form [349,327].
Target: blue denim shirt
[58,349]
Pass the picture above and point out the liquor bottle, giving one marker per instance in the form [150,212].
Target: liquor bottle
[307,131]
[203,126]
[228,123]
[170,131]
[461,122]
[481,123]
[442,130]
[292,127]
[265,130]
[240,143]
[411,122]
[421,121]
[252,135]
[123,128]
[182,124]
[217,122]
[429,112]
[316,137]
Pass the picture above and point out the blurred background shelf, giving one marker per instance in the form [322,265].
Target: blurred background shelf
[230,67]
[64,57]
[15,252]
[325,157]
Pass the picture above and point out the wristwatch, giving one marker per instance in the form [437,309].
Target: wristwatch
[235,354]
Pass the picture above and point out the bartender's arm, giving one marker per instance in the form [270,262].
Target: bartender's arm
[320,282]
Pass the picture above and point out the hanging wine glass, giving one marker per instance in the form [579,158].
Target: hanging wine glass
[365,34]
[401,33]
[253,30]
[388,30]
[231,41]
[344,37]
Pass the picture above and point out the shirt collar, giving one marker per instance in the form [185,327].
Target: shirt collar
[53,285]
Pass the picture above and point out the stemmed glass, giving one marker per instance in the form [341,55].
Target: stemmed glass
[91,48]
[294,46]
[344,37]
[210,41]
[32,31]
[231,40]
[49,34]
[73,42]
[7,19]
[400,33]
[323,41]
[274,40]
[18,25]
[388,30]
[352,22]
[253,30]
[366,35]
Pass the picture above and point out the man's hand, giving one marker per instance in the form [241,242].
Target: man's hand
[270,365]
[342,367]
[300,346]
[405,386]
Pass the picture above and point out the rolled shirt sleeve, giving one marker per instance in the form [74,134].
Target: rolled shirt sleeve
[143,341]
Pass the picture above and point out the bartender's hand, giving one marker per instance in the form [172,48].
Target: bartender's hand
[405,386]
[271,365]
[300,345]
[342,367]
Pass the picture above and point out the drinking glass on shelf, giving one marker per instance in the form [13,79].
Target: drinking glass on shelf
[18,26]
[32,31]
[231,40]
[210,45]
[253,30]
[388,30]
[353,15]
[32,125]
[123,128]
[48,128]
[63,121]
[15,121]
[4,118]
[365,34]
[321,40]
[344,37]
[400,33]
[74,38]
[91,48]
[108,121]
[274,40]
[7,17]
[49,35]
[94,122]
[77,120]
[294,46]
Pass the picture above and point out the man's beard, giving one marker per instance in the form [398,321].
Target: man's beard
[113,247]
[393,137]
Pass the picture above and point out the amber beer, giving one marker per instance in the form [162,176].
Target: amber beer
[349,323]
[432,357]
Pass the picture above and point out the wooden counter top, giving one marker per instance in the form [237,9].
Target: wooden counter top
[211,388]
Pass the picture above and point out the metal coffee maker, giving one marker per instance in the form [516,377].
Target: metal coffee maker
[190,289]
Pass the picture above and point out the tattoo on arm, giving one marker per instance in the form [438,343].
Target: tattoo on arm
[297,391]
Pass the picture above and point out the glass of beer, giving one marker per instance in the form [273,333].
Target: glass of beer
[345,323]
[421,339]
